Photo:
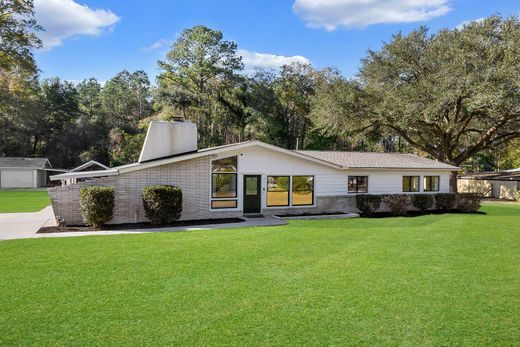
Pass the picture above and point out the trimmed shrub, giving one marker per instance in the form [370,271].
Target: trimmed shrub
[96,205]
[469,202]
[368,203]
[162,203]
[445,201]
[398,203]
[422,202]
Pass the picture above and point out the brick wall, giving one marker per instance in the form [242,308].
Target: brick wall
[192,176]
[324,204]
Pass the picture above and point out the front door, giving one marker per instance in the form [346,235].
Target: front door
[252,193]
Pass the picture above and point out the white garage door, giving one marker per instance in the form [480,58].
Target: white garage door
[16,179]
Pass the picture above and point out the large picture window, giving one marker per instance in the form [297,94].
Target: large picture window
[224,183]
[410,184]
[358,184]
[278,190]
[302,190]
[431,183]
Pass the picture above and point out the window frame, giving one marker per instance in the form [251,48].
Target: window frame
[410,184]
[288,192]
[223,200]
[225,197]
[234,198]
[291,185]
[429,179]
[357,184]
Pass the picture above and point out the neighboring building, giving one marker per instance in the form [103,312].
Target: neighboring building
[25,172]
[494,184]
[249,178]
[91,165]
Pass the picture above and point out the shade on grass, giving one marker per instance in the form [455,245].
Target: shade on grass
[431,280]
[23,201]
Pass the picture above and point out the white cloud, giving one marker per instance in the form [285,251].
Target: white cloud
[156,45]
[466,22]
[253,60]
[331,14]
[65,18]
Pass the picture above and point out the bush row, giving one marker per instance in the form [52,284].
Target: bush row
[401,204]
[162,204]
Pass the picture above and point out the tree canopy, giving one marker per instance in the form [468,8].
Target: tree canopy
[451,94]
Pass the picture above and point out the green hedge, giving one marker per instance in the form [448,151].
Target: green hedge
[368,203]
[398,203]
[422,202]
[162,203]
[96,205]
[469,202]
[445,201]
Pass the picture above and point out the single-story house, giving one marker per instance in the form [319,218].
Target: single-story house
[494,184]
[18,172]
[250,177]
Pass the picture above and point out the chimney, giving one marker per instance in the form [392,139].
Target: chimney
[165,138]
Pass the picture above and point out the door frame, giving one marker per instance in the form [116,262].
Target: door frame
[259,190]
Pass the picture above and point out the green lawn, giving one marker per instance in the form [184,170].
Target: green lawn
[424,281]
[23,201]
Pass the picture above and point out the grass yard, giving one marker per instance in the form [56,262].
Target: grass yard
[428,281]
[23,201]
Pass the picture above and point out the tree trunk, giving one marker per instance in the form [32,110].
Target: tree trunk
[453,182]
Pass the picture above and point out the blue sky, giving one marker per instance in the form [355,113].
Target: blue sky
[98,38]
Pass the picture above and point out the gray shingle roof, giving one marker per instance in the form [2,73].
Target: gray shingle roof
[29,163]
[378,160]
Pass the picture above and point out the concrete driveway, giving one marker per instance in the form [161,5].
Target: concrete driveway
[25,224]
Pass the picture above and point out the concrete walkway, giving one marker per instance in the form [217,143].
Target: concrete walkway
[24,224]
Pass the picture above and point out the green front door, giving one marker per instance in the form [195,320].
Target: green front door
[252,193]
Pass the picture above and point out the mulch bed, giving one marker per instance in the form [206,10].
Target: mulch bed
[307,214]
[132,226]
[416,213]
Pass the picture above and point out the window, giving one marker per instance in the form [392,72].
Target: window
[358,184]
[224,183]
[224,165]
[302,190]
[431,183]
[224,186]
[277,191]
[223,204]
[411,183]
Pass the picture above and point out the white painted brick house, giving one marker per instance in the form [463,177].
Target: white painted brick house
[249,178]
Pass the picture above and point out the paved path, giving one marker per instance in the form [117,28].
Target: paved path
[25,224]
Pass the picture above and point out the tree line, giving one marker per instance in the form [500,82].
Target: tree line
[452,96]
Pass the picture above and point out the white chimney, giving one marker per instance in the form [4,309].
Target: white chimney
[165,138]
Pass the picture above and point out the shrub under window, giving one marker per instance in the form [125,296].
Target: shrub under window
[422,202]
[397,203]
[96,205]
[368,203]
[445,201]
[162,203]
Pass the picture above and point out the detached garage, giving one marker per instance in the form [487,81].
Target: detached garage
[25,172]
